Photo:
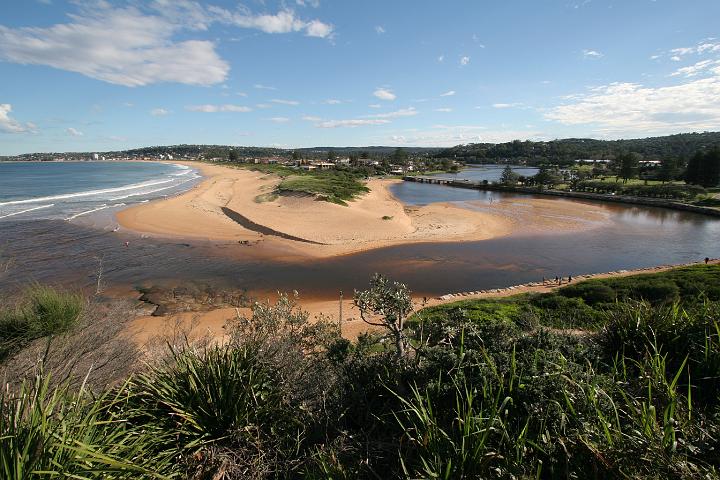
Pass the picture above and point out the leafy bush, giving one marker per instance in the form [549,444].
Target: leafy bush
[591,292]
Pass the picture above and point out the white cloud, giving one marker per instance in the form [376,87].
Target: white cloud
[451,135]
[351,123]
[158,112]
[507,105]
[128,104]
[9,124]
[379,29]
[137,44]
[696,69]
[464,61]
[448,93]
[122,46]
[263,105]
[375,105]
[708,47]
[403,112]
[384,94]
[74,133]
[441,58]
[279,119]
[218,108]
[318,29]
[592,54]
[260,86]
[310,3]
[444,109]
[241,94]
[682,51]
[284,21]
[621,108]
[332,101]
[675,58]
[310,118]
[285,102]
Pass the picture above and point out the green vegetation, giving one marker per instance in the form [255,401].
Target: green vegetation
[614,378]
[585,304]
[42,312]
[566,151]
[668,190]
[336,186]
[704,168]
[266,197]
[333,186]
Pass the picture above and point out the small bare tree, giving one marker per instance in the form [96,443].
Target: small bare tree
[386,304]
[99,275]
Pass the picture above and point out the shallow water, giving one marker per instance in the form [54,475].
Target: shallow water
[491,173]
[634,238]
[57,251]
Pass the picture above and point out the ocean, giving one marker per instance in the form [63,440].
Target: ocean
[69,190]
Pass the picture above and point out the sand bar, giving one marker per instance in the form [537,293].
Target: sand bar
[377,219]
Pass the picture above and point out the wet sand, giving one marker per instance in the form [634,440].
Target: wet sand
[146,329]
[239,205]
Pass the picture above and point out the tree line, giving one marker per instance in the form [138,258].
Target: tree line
[566,151]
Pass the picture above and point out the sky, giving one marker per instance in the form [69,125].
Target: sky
[99,75]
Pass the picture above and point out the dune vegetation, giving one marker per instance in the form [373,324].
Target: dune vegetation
[613,378]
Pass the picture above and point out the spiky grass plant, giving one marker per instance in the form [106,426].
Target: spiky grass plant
[220,409]
[53,433]
[42,311]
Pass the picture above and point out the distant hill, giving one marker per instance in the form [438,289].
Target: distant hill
[653,148]
[557,151]
[372,150]
[222,151]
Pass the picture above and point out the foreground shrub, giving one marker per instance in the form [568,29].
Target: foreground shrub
[222,409]
[43,311]
[53,433]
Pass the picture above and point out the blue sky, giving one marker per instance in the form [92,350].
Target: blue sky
[89,75]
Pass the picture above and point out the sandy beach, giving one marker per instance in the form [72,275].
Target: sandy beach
[374,220]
